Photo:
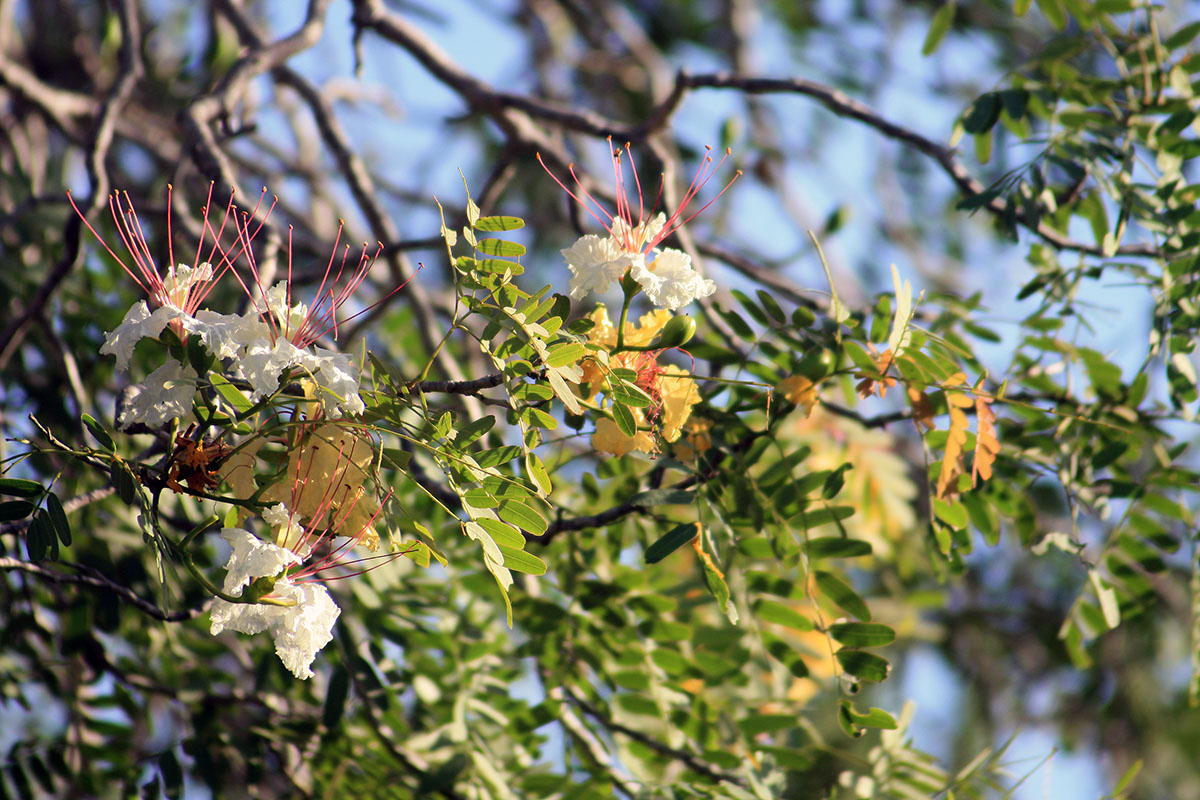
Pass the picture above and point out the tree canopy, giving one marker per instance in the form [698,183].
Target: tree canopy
[599,398]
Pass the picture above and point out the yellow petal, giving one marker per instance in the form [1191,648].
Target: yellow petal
[679,394]
[799,390]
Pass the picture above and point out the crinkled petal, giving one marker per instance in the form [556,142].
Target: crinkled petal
[166,394]
[264,361]
[227,335]
[303,629]
[299,630]
[290,318]
[252,558]
[138,324]
[338,376]
[179,280]
[670,281]
[248,618]
[595,262]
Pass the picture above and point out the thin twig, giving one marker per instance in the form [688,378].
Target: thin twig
[98,581]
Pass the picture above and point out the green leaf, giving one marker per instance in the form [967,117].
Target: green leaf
[751,307]
[862,634]
[627,394]
[504,535]
[500,247]
[663,497]
[538,474]
[852,720]
[335,697]
[841,594]
[98,431]
[864,666]
[784,654]
[473,430]
[778,613]
[1183,36]
[836,547]
[58,518]
[564,353]
[40,539]
[982,114]
[232,394]
[124,483]
[771,305]
[497,224]
[397,458]
[523,516]
[674,539]
[953,514]
[539,418]
[1054,12]
[15,509]
[19,487]
[624,419]
[824,516]
[938,28]
[520,561]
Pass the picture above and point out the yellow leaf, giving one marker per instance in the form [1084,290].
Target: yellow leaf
[987,445]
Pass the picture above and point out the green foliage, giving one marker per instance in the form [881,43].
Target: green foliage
[813,485]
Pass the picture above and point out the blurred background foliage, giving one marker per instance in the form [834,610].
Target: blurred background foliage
[1031,167]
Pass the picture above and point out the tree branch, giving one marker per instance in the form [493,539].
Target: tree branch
[89,577]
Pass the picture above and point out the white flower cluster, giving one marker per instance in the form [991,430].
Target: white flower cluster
[665,275]
[259,351]
[300,616]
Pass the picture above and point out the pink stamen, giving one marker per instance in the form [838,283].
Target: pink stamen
[144,271]
[322,316]
[634,239]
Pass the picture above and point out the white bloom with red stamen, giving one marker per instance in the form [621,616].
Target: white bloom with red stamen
[180,292]
[667,276]
[670,281]
[289,329]
[299,616]
[165,395]
[595,262]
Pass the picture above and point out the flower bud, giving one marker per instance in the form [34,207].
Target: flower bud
[676,333]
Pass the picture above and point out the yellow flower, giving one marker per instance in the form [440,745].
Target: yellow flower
[678,393]
[799,390]
[324,483]
[609,438]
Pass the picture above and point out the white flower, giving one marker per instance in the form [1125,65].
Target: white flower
[637,237]
[227,335]
[263,361]
[595,263]
[165,395]
[289,533]
[252,558]
[138,324]
[179,282]
[291,319]
[300,629]
[338,378]
[670,281]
